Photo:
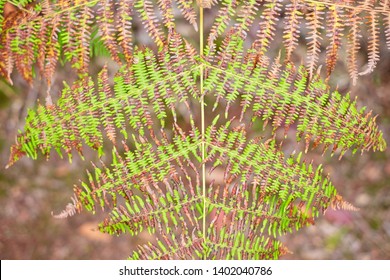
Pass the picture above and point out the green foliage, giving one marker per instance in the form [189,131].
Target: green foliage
[177,126]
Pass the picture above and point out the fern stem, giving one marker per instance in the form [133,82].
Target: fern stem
[202,105]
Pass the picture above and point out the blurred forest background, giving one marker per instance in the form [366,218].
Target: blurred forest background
[31,190]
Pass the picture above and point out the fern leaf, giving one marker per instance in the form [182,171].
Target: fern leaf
[70,209]
[335,30]
[48,54]
[76,118]
[270,96]
[268,21]
[258,188]
[79,36]
[145,8]
[338,14]
[188,12]
[339,203]
[75,18]
[104,94]
[2,12]
[167,12]
[323,116]
[373,44]
[183,247]
[291,30]
[246,17]
[124,28]
[224,14]
[354,45]
[106,20]
[387,32]
[155,186]
[314,19]
[23,45]
[65,28]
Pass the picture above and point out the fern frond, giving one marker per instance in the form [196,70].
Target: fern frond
[23,44]
[188,12]
[283,97]
[353,45]
[70,209]
[79,37]
[17,41]
[266,30]
[124,28]
[246,16]
[387,32]
[314,23]
[335,30]
[77,118]
[106,23]
[49,30]
[254,173]
[322,117]
[204,188]
[154,184]
[167,12]
[159,194]
[180,247]
[291,30]
[339,203]
[2,12]
[73,20]
[373,43]
[149,19]
[49,52]
[221,22]
[332,16]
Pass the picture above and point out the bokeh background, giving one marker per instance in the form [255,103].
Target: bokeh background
[31,190]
